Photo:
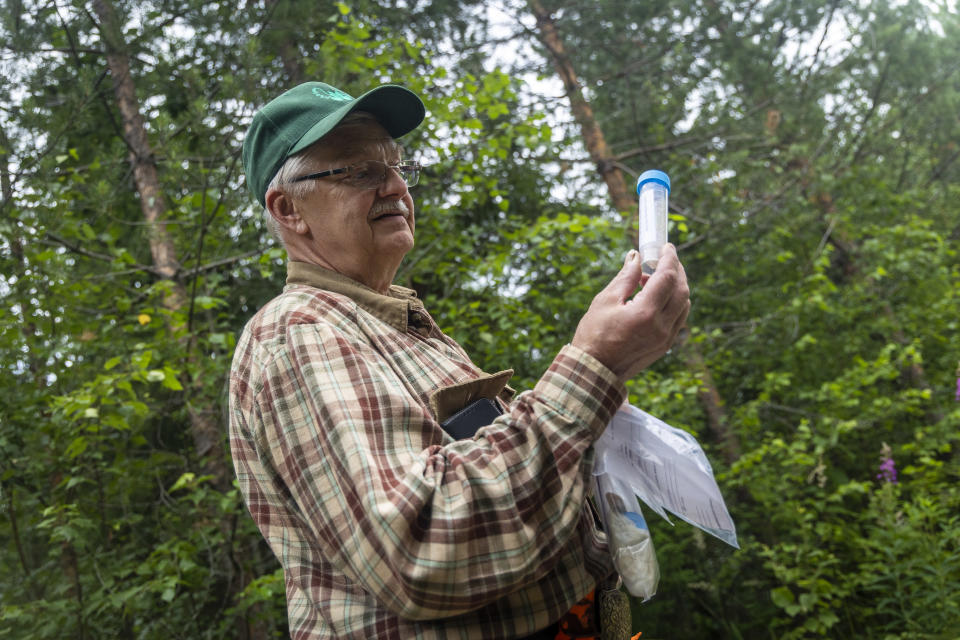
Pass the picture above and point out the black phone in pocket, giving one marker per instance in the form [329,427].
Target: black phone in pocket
[464,423]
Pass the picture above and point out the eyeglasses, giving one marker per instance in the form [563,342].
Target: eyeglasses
[370,174]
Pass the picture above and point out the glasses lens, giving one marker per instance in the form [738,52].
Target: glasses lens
[365,175]
[372,173]
[410,171]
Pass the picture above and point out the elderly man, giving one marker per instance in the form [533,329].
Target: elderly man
[344,394]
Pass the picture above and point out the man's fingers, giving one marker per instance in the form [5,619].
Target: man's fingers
[658,290]
[680,322]
[625,283]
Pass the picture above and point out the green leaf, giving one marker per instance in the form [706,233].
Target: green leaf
[208,302]
[170,380]
[782,596]
[76,447]
[185,480]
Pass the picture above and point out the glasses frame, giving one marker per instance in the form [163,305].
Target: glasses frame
[400,167]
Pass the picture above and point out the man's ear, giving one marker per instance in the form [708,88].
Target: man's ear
[283,211]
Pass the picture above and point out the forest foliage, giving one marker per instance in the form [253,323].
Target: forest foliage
[814,149]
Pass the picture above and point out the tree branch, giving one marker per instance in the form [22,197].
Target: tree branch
[673,144]
[216,264]
[53,240]
[70,50]
[15,530]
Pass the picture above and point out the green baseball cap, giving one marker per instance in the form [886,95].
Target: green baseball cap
[296,119]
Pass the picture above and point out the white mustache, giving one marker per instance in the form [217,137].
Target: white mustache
[389,206]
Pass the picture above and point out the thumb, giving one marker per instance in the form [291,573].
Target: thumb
[625,283]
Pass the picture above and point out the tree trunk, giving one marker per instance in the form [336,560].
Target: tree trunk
[844,265]
[710,399]
[711,402]
[287,51]
[204,423]
[205,427]
[6,183]
[582,112]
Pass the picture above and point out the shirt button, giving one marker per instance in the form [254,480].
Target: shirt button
[418,322]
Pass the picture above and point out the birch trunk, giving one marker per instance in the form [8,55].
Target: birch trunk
[204,421]
[204,425]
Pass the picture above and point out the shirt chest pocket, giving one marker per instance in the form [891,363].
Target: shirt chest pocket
[457,407]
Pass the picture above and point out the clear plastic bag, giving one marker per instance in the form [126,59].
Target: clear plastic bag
[666,469]
[631,546]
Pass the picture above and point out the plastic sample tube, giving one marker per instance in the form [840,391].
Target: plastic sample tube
[653,187]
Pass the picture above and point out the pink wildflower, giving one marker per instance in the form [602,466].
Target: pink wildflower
[888,471]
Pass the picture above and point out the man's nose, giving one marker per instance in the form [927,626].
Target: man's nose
[393,183]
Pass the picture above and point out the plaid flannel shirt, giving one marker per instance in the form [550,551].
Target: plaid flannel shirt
[385,526]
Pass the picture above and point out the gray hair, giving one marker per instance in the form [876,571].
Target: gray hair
[302,163]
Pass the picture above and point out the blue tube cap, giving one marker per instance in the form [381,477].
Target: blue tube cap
[653,176]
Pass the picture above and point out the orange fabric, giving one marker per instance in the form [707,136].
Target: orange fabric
[580,623]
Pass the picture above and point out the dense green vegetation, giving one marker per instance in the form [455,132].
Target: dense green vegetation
[815,153]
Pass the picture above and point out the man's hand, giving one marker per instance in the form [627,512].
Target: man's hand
[628,332]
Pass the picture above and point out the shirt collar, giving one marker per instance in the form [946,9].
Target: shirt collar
[394,308]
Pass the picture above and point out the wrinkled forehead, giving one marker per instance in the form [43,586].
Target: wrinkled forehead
[360,141]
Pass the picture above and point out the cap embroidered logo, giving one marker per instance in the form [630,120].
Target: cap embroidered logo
[331,94]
